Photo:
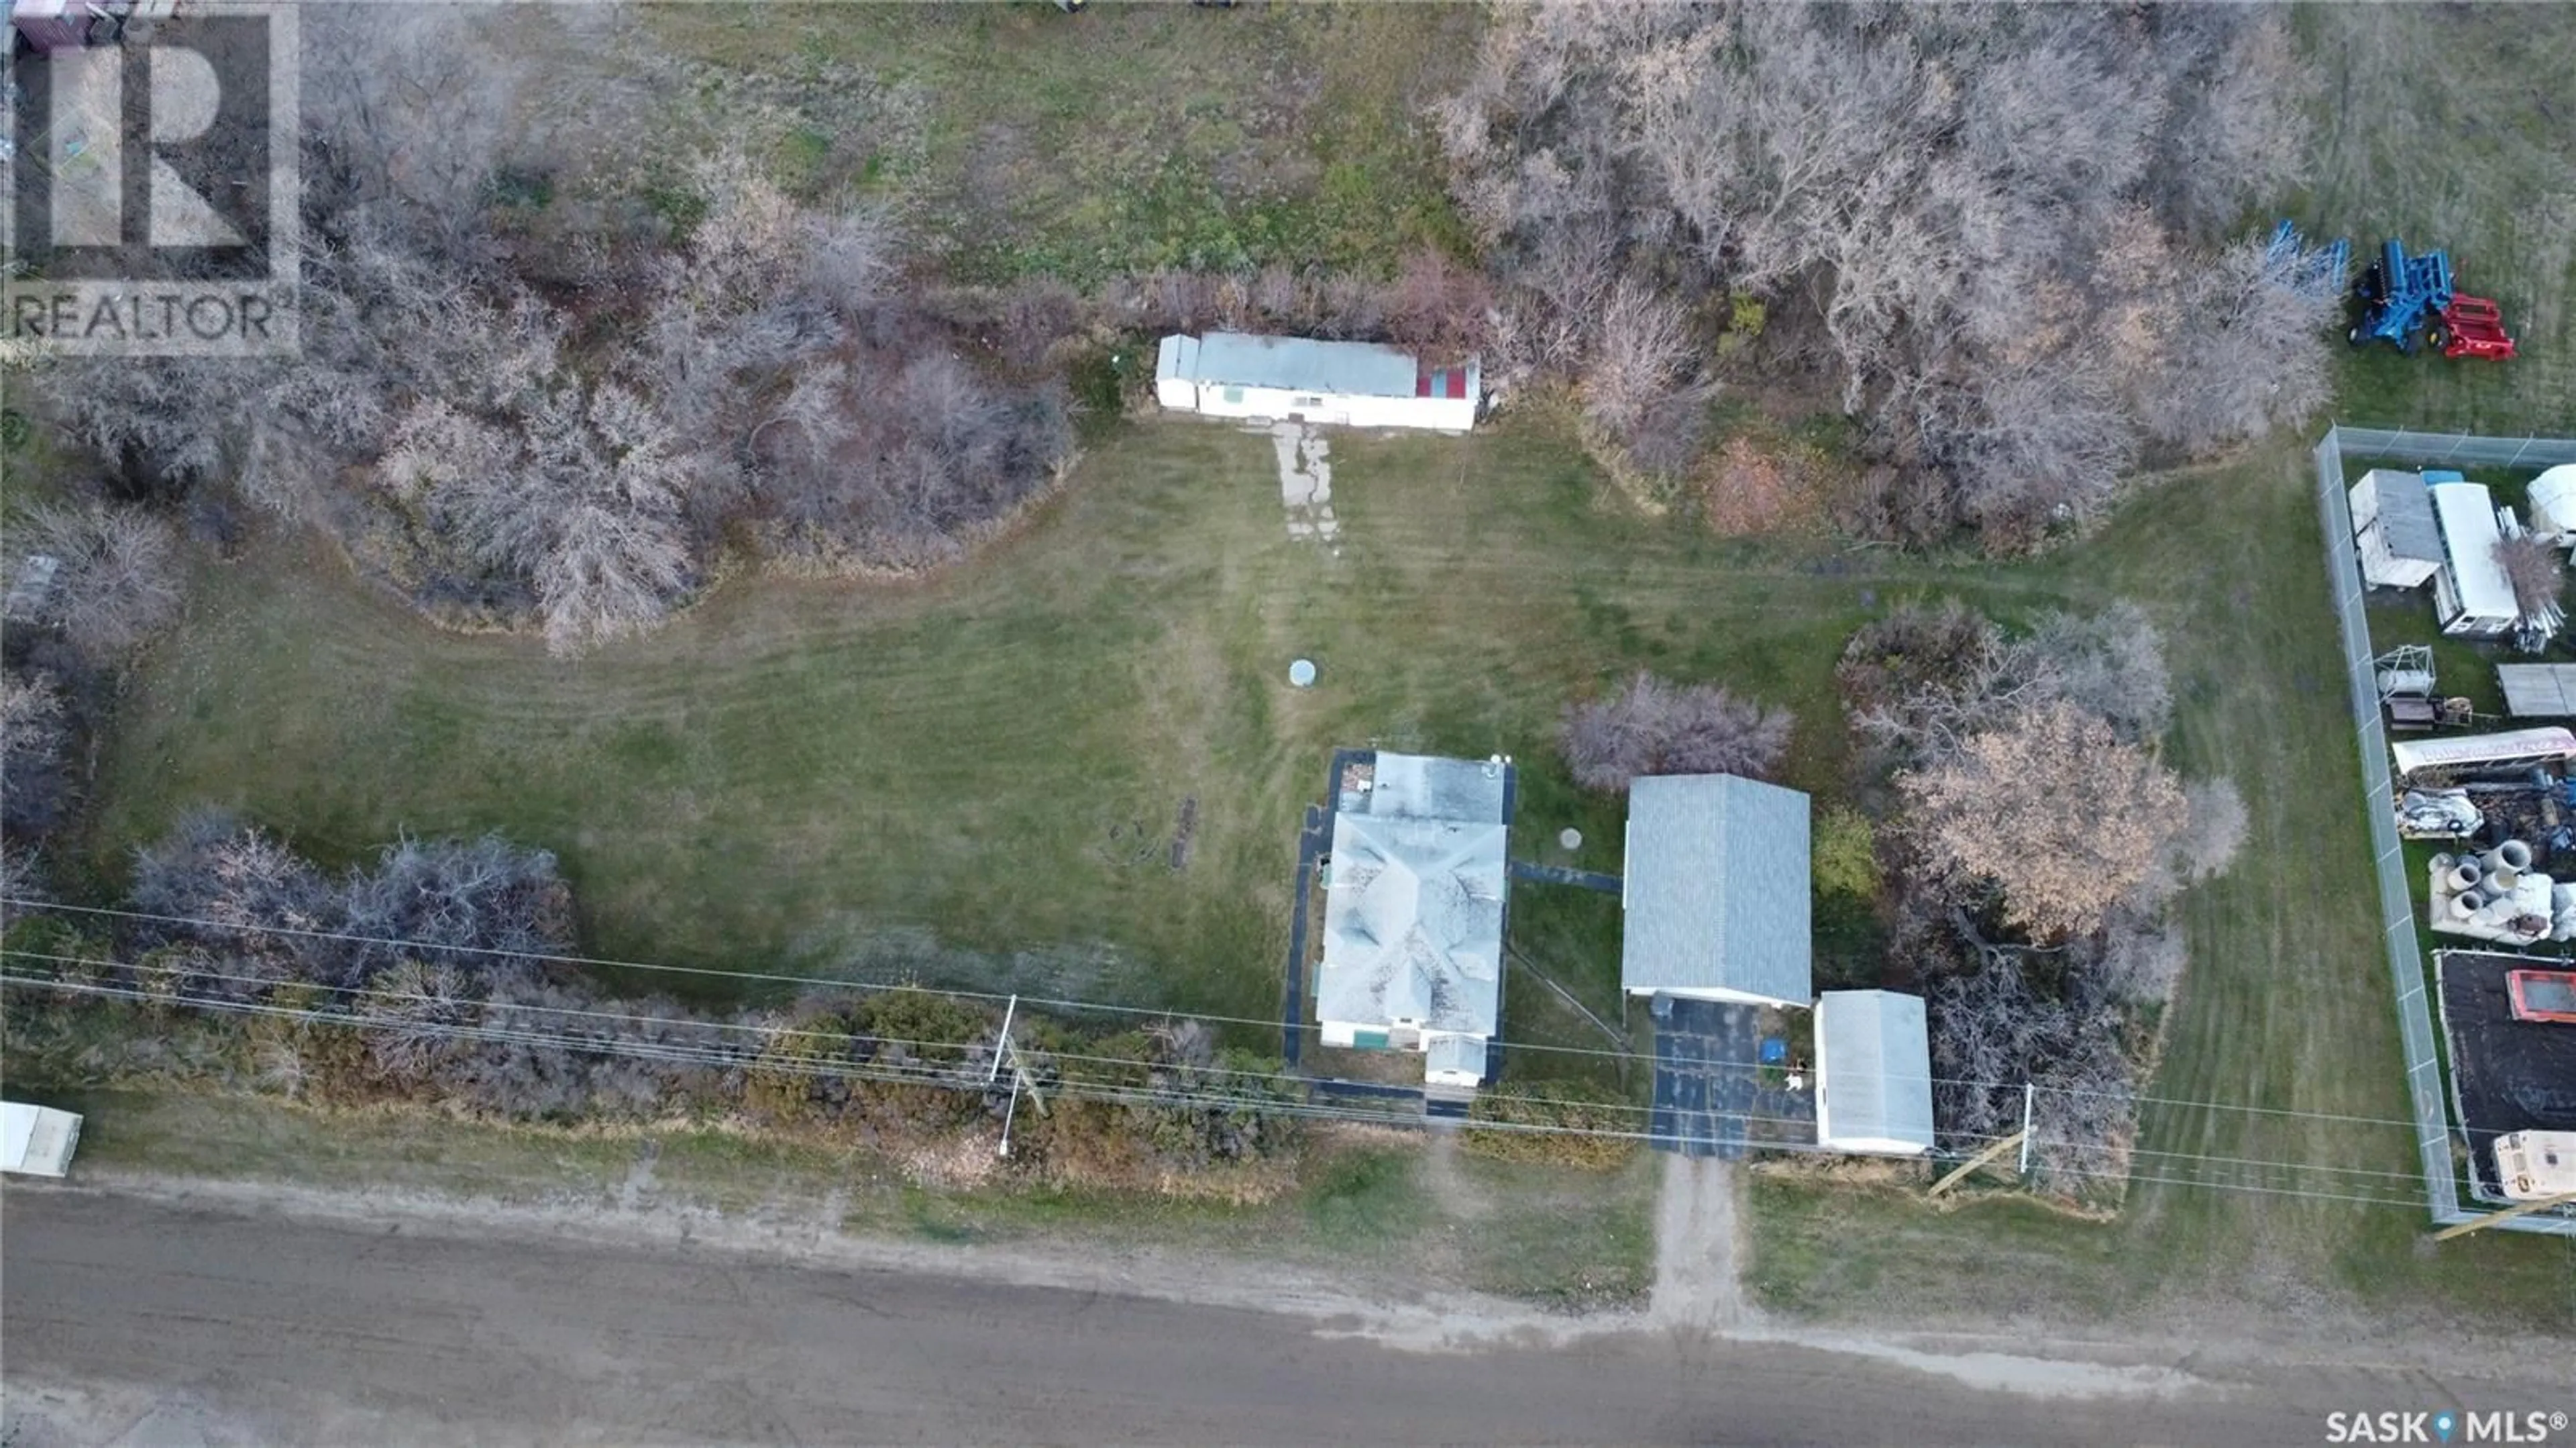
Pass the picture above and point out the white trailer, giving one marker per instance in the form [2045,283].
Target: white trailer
[37,1140]
[2471,593]
[1298,379]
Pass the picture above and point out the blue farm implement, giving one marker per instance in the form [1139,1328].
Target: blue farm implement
[2410,302]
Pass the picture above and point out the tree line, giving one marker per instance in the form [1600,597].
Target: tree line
[428,976]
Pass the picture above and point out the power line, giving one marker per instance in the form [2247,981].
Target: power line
[1092,1007]
[936,1074]
[1081,1089]
[763,1032]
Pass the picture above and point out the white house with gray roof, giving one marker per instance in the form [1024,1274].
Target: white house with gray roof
[1716,891]
[1298,379]
[1413,913]
[1873,1073]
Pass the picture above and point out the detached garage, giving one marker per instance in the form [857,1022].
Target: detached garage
[1873,1073]
[1298,379]
[1716,893]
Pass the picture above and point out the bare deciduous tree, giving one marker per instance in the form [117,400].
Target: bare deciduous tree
[1991,1033]
[2110,664]
[1937,190]
[116,573]
[2054,809]
[1652,727]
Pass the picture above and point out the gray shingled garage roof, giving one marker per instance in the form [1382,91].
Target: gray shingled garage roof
[1717,889]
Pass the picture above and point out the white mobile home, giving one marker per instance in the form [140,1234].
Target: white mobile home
[1297,379]
[2392,524]
[2471,595]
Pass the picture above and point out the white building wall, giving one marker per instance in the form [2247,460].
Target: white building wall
[2385,569]
[1273,404]
[1719,993]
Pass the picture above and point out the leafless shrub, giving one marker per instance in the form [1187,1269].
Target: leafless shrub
[475,903]
[412,1012]
[2139,962]
[1991,1033]
[2537,570]
[1645,349]
[116,577]
[35,738]
[1438,305]
[2110,664]
[2240,355]
[1652,727]
[2050,806]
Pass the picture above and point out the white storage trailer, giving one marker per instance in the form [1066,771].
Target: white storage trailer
[37,1140]
[1299,379]
[2471,594]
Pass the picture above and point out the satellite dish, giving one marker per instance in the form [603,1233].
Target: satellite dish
[1302,673]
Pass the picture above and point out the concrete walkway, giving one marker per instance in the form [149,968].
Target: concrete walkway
[1698,1246]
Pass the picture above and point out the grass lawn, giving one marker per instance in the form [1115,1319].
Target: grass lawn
[1126,138]
[948,780]
[2483,169]
[1369,1204]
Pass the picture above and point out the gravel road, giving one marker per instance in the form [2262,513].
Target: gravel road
[136,1321]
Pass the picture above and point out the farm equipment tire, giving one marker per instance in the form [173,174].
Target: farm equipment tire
[2437,337]
[2358,338]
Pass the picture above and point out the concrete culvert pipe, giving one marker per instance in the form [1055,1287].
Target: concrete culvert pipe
[2463,907]
[2466,875]
[2512,855]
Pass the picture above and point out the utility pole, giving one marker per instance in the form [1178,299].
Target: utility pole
[1019,1079]
[2025,1129]
[1002,1042]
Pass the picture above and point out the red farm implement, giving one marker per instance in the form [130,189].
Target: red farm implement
[2471,327]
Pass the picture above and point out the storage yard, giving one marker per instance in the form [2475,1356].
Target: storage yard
[2455,582]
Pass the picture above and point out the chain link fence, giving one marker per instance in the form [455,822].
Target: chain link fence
[2424,1090]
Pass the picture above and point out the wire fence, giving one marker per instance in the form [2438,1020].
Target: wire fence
[2428,1101]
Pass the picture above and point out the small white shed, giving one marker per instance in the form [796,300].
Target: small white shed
[1298,379]
[1873,1073]
[2471,595]
[37,1140]
[2392,525]
[2553,500]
